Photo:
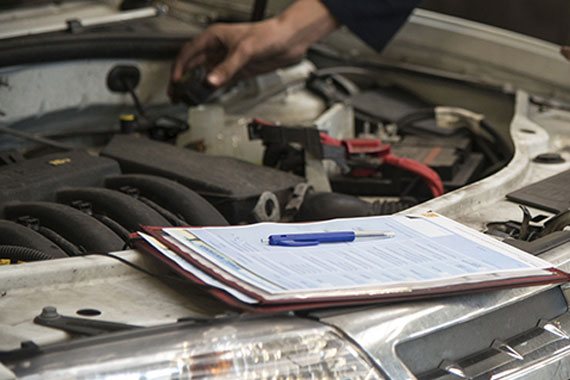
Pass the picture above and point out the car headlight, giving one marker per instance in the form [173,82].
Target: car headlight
[268,348]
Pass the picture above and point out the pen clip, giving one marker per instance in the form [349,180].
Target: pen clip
[296,243]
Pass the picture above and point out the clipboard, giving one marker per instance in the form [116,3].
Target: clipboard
[259,301]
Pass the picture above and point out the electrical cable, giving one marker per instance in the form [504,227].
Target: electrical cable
[134,96]
[497,155]
[152,123]
[62,242]
[486,150]
[17,253]
[502,145]
[119,230]
[430,177]
[171,217]
[347,70]
[414,117]
[405,68]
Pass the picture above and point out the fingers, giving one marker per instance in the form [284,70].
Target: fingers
[234,62]
[191,54]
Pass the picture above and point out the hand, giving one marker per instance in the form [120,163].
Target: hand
[255,48]
[249,48]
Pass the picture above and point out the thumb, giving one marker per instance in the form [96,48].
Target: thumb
[233,63]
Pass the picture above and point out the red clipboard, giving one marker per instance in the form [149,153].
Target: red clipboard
[555,276]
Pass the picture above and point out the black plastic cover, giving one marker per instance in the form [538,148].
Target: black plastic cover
[231,185]
[550,194]
[38,179]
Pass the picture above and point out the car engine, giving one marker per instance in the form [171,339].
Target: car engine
[95,143]
[304,144]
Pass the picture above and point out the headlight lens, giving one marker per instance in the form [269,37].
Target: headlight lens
[276,348]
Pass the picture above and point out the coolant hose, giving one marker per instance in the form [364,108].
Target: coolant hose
[325,206]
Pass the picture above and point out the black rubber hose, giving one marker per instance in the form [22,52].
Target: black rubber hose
[175,220]
[503,147]
[64,47]
[392,207]
[16,253]
[63,243]
[486,149]
[500,144]
[121,231]
[325,206]
[414,117]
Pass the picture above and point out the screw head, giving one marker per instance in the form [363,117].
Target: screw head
[49,312]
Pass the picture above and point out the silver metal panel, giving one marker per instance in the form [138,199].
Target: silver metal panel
[476,52]
[380,330]
[121,293]
[542,355]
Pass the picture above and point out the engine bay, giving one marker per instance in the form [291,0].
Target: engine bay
[94,143]
[302,144]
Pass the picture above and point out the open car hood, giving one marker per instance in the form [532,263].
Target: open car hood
[522,82]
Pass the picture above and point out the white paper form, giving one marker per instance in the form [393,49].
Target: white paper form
[423,250]
[207,279]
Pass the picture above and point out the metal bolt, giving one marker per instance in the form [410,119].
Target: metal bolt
[49,312]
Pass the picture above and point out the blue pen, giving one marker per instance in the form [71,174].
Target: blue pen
[316,238]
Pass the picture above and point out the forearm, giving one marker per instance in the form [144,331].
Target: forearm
[254,48]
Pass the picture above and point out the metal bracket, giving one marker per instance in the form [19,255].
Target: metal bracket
[553,328]
[308,137]
[296,201]
[506,349]
[267,208]
[81,326]
[453,369]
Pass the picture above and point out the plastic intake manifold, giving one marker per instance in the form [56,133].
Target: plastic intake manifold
[176,198]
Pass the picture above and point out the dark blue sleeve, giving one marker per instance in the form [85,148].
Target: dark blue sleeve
[374,21]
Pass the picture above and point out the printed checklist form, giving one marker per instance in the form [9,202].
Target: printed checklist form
[424,255]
